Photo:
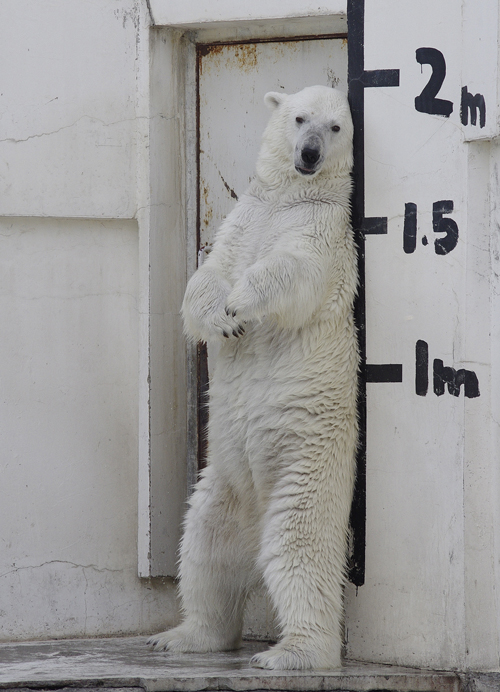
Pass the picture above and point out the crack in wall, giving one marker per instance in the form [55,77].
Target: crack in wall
[62,562]
[83,117]
[148,5]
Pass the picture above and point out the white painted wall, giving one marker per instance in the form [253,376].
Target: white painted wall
[68,417]
[430,596]
[93,136]
[69,310]
[194,13]
[67,144]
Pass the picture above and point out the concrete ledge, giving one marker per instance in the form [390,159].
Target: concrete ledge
[196,12]
[481,682]
[127,664]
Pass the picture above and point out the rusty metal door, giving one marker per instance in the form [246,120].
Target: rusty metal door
[232,79]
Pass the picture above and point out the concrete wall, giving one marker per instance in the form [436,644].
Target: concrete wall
[69,310]
[68,412]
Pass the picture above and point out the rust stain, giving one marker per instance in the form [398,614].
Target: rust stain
[205,49]
[284,49]
[214,53]
[208,207]
[244,52]
[244,55]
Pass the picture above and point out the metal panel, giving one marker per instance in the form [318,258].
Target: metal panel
[233,79]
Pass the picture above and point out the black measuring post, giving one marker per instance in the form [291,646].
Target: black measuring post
[358,79]
[389,372]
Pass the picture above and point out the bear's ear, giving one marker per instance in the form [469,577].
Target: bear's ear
[273,99]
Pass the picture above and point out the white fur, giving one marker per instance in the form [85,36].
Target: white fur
[274,500]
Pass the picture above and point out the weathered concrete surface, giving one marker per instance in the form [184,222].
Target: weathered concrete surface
[481,682]
[127,663]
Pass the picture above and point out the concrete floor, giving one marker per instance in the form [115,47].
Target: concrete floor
[128,665]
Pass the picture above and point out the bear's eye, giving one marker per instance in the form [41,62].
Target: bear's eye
[335,128]
[299,120]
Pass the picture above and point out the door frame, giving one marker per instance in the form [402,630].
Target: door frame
[169,389]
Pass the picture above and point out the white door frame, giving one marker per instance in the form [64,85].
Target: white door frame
[166,108]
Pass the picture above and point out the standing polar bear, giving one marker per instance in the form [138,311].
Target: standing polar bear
[277,292]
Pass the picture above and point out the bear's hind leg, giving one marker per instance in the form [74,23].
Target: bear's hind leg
[303,557]
[217,566]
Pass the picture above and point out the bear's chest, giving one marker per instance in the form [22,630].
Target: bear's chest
[263,228]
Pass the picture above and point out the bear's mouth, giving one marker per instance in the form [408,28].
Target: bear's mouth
[305,171]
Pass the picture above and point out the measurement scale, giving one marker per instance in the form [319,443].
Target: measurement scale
[410,218]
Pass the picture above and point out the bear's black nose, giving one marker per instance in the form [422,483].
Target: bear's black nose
[310,156]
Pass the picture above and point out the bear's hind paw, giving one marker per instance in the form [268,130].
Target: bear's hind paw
[296,656]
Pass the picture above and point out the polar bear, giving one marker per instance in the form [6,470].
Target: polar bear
[277,293]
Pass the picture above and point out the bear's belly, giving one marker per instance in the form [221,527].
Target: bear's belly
[276,366]
[277,396]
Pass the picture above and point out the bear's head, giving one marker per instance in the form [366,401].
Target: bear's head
[309,135]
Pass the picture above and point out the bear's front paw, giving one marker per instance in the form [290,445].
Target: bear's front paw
[186,639]
[225,325]
[243,304]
